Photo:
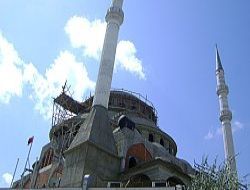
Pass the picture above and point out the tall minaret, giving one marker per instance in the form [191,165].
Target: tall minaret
[93,150]
[114,19]
[225,114]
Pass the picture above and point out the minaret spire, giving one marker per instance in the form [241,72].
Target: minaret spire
[225,114]
[218,61]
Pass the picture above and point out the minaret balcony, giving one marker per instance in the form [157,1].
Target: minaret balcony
[115,14]
[225,115]
[222,88]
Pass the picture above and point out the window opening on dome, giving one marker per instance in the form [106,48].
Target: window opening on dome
[151,137]
[162,142]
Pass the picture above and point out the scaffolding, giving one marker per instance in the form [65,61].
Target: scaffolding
[67,113]
[65,107]
[65,121]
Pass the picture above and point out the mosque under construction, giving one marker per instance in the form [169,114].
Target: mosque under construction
[144,153]
[112,139]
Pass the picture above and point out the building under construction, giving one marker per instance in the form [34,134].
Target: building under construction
[146,153]
[110,140]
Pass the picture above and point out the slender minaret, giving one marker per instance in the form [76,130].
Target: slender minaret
[114,19]
[93,151]
[225,114]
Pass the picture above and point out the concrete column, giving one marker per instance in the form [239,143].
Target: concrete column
[228,144]
[225,118]
[114,19]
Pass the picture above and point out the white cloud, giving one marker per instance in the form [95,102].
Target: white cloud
[15,74]
[65,67]
[89,35]
[126,58]
[10,71]
[7,177]
[236,126]
[86,34]
[209,135]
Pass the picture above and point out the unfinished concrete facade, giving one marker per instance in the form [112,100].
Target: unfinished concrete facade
[144,153]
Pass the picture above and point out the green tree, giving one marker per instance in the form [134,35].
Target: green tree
[214,177]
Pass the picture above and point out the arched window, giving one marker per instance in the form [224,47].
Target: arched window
[151,137]
[132,162]
[170,149]
[162,142]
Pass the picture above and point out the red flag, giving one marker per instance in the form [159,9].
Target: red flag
[30,140]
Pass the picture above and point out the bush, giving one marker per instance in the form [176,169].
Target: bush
[214,177]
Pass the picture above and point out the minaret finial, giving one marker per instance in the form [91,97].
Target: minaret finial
[218,61]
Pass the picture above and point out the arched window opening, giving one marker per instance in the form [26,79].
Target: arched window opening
[170,149]
[162,142]
[132,162]
[150,116]
[151,137]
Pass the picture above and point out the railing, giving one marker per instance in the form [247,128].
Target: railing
[139,96]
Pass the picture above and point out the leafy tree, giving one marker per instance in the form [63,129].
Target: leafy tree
[214,177]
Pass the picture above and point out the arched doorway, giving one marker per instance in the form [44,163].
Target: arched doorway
[132,162]
[136,155]
[140,180]
[173,181]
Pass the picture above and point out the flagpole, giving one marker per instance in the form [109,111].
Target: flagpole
[26,164]
[14,173]
[28,157]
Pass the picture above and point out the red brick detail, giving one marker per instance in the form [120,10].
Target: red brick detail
[42,179]
[138,151]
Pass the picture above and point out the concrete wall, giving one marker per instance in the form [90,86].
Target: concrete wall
[91,161]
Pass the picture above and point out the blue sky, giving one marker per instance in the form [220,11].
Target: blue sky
[166,51]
